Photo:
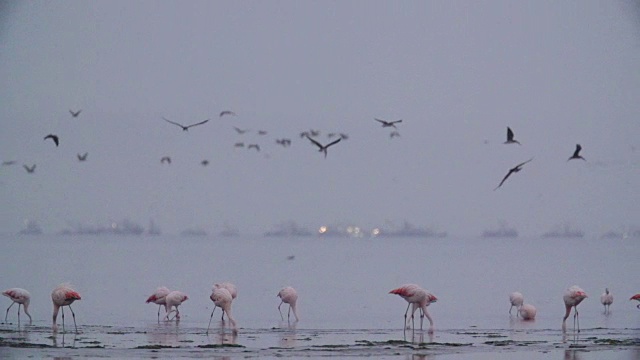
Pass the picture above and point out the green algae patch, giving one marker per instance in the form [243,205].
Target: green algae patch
[500,342]
[156,347]
[24,345]
[220,346]
[616,342]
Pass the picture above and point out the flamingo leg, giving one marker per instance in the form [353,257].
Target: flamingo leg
[62,308]
[289,313]
[576,320]
[282,317]
[211,317]
[510,309]
[159,306]
[7,314]
[18,314]
[74,318]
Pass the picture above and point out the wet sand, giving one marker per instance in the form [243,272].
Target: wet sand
[173,340]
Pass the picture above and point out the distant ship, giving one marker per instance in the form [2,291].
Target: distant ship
[194,233]
[564,232]
[31,228]
[408,230]
[123,228]
[503,231]
[287,229]
[341,230]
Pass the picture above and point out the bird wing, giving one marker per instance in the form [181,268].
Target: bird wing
[381,121]
[226,112]
[173,122]
[52,137]
[519,165]
[200,123]
[315,142]
[332,143]
[395,122]
[509,134]
[504,179]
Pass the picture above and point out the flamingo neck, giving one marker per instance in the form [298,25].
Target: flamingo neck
[567,313]
[294,309]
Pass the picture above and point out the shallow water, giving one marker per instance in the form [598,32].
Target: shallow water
[343,285]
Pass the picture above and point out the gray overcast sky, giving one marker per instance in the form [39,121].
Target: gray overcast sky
[457,72]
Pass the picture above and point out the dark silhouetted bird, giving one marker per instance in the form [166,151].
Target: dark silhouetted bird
[227,112]
[394,134]
[75,113]
[254,146]
[510,139]
[52,137]
[185,128]
[165,159]
[238,144]
[204,162]
[31,169]
[323,148]
[515,169]
[576,154]
[82,157]
[388,123]
[240,131]
[262,132]
[8,162]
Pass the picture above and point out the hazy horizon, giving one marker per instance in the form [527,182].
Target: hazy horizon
[457,74]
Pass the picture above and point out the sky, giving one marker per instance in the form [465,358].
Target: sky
[458,73]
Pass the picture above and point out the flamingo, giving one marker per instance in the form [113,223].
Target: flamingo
[21,297]
[527,312]
[289,296]
[174,299]
[606,299]
[222,298]
[232,290]
[516,300]
[418,298]
[572,297]
[159,297]
[636,297]
[63,295]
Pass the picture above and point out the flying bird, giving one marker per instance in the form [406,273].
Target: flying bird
[185,128]
[288,295]
[323,148]
[204,162]
[510,139]
[8,162]
[394,134]
[572,297]
[222,298]
[514,169]
[388,123]
[165,159]
[254,146]
[576,154]
[606,299]
[527,312]
[238,144]
[240,131]
[174,299]
[516,299]
[636,297]
[52,137]
[227,112]
[31,169]
[63,295]
[159,297]
[75,113]
[418,298]
[262,132]
[82,157]
[18,296]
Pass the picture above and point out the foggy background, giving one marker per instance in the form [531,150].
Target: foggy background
[457,73]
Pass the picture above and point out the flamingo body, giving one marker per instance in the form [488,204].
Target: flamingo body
[21,297]
[527,312]
[222,298]
[289,295]
[418,298]
[63,295]
[572,297]
[636,297]
[606,299]
[174,299]
[159,298]
[516,299]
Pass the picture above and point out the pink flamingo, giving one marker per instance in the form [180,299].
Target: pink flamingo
[21,297]
[289,296]
[63,295]
[527,312]
[418,298]
[636,297]
[174,299]
[232,290]
[606,299]
[222,298]
[516,299]
[572,297]
[158,297]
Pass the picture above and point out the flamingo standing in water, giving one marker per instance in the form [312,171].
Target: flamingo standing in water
[636,297]
[159,298]
[63,295]
[418,298]
[572,297]
[606,299]
[232,290]
[289,296]
[174,299]
[21,297]
[222,298]
[516,299]
[527,312]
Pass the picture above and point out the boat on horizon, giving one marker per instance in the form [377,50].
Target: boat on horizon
[563,232]
[31,228]
[124,228]
[341,230]
[195,232]
[502,231]
[287,229]
[408,230]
